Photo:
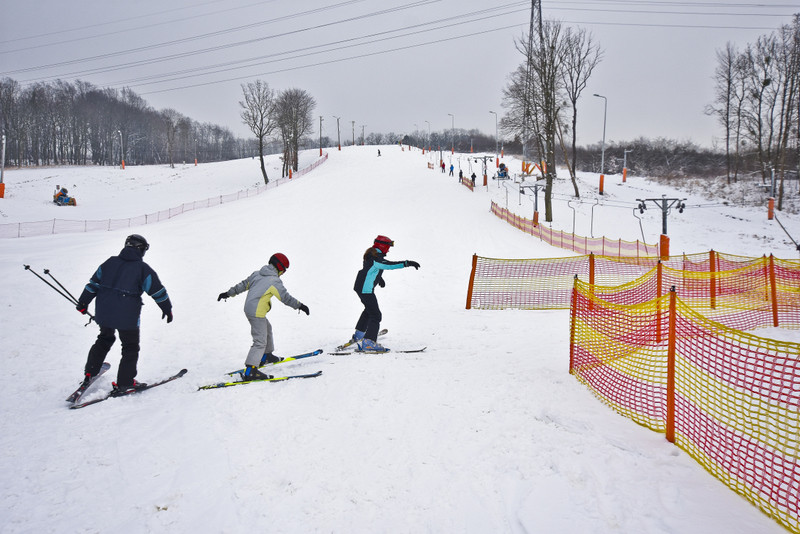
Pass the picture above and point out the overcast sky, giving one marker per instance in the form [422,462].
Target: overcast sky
[387,65]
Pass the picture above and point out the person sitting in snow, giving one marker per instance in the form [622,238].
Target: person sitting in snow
[118,285]
[261,286]
[368,277]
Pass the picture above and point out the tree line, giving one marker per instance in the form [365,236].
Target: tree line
[757,104]
[77,123]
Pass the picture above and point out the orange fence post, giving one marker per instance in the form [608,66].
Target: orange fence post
[602,179]
[624,174]
[572,312]
[2,190]
[671,369]
[712,261]
[290,173]
[770,209]
[591,279]
[471,280]
[773,287]
[536,218]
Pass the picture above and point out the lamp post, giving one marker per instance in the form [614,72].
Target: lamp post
[3,168]
[338,134]
[121,150]
[603,146]
[452,133]
[496,141]
[320,136]
[429,136]
[363,139]
[195,152]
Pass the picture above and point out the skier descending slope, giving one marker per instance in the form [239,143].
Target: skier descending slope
[261,286]
[368,277]
[118,285]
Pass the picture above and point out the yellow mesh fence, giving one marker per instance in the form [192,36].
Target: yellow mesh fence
[738,291]
[729,399]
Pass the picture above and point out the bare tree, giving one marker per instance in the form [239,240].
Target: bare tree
[258,113]
[581,57]
[293,115]
[539,97]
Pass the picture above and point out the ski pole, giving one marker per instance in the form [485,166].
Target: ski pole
[75,302]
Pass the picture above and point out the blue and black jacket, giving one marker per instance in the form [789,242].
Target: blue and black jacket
[374,264]
[118,285]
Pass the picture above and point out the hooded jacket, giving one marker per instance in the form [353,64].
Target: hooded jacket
[261,286]
[118,285]
[374,262]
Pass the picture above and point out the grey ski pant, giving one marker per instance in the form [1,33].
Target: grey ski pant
[261,331]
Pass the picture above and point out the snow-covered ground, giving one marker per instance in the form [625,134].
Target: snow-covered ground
[483,432]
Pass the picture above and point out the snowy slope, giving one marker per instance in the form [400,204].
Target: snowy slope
[484,432]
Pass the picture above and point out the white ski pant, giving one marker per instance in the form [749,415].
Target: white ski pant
[261,331]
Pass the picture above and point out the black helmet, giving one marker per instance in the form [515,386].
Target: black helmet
[137,241]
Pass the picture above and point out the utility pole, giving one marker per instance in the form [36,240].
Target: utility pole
[665,204]
[354,132]
[362,134]
[338,135]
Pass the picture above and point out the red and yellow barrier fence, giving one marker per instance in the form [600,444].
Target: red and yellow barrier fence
[731,400]
[738,291]
[601,246]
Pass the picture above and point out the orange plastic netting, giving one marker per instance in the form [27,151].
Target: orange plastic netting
[729,399]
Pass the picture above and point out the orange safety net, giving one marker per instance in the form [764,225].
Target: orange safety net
[729,399]
[585,245]
[741,292]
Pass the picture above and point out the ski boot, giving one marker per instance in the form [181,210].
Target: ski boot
[269,358]
[368,345]
[117,390]
[251,372]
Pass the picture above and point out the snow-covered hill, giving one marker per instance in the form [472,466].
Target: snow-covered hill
[484,432]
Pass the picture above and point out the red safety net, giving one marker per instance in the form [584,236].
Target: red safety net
[729,399]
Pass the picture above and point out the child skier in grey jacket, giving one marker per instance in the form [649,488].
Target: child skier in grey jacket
[261,286]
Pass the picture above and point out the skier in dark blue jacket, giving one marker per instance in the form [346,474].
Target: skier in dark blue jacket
[118,285]
[368,277]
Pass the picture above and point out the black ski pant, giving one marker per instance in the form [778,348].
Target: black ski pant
[370,320]
[130,354]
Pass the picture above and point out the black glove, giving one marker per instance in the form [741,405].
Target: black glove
[381,282]
[167,314]
[303,308]
[82,307]
[222,296]
[411,263]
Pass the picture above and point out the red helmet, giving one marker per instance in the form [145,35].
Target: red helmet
[383,243]
[279,261]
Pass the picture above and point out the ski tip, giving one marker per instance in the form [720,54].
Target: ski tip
[182,372]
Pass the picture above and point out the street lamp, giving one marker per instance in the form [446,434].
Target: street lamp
[338,135]
[603,146]
[453,134]
[121,150]
[496,141]
[195,152]
[363,140]
[625,164]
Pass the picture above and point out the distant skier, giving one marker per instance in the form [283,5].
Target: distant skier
[379,152]
[443,167]
[368,277]
[460,175]
[261,286]
[118,285]
[473,179]
[452,168]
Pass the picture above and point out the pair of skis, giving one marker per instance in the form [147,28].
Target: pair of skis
[76,396]
[240,372]
[342,350]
